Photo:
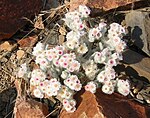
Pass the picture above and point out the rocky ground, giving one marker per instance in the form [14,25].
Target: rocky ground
[17,41]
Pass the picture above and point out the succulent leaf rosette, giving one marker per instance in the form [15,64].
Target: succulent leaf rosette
[85,60]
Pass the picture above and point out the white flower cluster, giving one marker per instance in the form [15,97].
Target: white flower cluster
[96,33]
[123,87]
[90,69]
[69,105]
[91,86]
[42,85]
[73,83]
[115,34]
[74,19]
[65,92]
[88,52]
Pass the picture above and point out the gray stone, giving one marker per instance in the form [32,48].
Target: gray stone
[52,4]
[138,23]
[138,62]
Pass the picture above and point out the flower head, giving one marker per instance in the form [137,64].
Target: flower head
[69,105]
[73,83]
[90,69]
[91,86]
[82,49]
[37,93]
[94,34]
[108,87]
[38,49]
[123,87]
[84,11]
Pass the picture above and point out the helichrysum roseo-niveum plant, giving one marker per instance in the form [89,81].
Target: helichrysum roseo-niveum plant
[87,57]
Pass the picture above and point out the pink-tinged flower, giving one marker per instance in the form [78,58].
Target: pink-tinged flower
[56,63]
[72,110]
[77,87]
[110,73]
[72,44]
[90,68]
[101,57]
[37,93]
[115,30]
[114,25]
[55,56]
[116,40]
[73,78]
[73,20]
[72,102]
[73,83]
[112,62]
[39,58]
[70,69]
[81,26]
[34,81]
[117,56]
[65,92]
[68,95]
[82,49]
[91,86]
[120,47]
[84,11]
[50,93]
[101,77]
[61,61]
[38,73]
[98,58]
[50,87]
[94,34]
[69,105]
[122,30]
[49,54]
[55,84]
[123,87]
[65,65]
[74,66]
[52,54]
[60,50]
[72,56]
[108,89]
[43,85]
[65,102]
[43,63]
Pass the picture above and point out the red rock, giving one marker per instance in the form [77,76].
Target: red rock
[12,13]
[28,42]
[29,109]
[101,105]
[101,4]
